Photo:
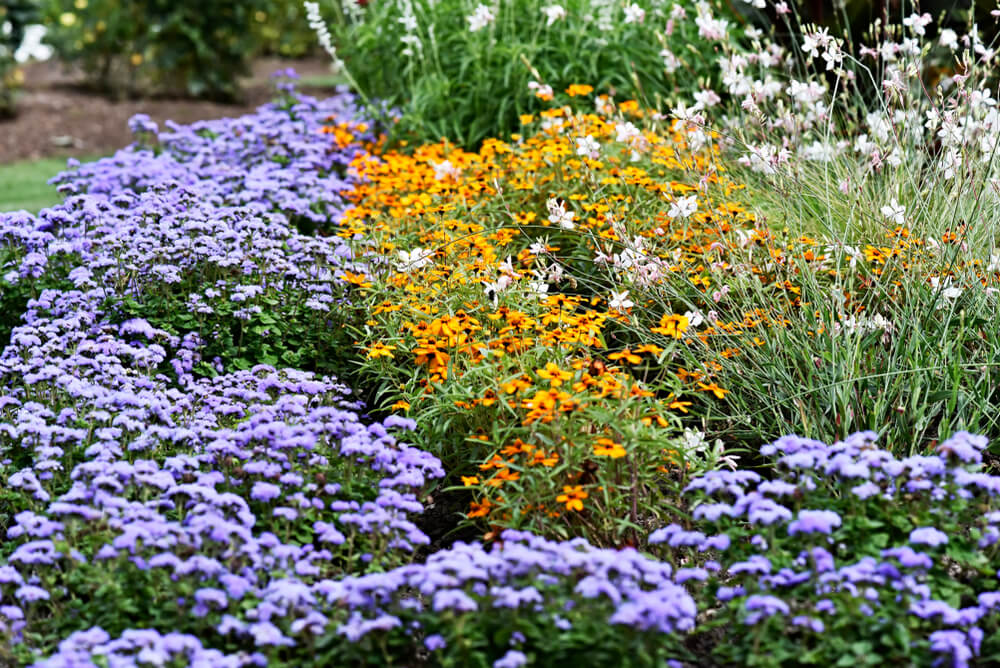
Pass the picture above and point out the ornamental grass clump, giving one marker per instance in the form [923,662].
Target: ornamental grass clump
[874,157]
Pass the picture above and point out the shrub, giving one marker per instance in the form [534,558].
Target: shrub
[465,71]
[15,16]
[158,46]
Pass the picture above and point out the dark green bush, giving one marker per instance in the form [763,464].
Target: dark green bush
[15,16]
[452,77]
[159,46]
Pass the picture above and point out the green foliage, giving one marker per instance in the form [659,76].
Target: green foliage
[15,16]
[158,46]
[281,29]
[448,81]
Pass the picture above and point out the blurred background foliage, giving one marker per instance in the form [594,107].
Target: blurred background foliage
[458,84]
[15,17]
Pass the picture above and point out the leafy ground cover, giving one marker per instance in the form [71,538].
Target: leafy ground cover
[248,358]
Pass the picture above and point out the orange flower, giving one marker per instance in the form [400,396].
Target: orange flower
[479,509]
[573,497]
[579,89]
[470,480]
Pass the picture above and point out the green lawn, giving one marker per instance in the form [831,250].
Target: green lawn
[24,185]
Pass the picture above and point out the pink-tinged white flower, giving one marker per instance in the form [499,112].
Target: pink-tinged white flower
[480,18]
[894,211]
[604,105]
[708,26]
[559,215]
[553,13]
[634,13]
[619,301]
[587,147]
[683,207]
[542,91]
[677,12]
[706,98]
[782,8]
[917,23]
[445,170]
[670,61]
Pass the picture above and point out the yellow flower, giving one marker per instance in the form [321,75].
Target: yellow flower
[672,325]
[470,480]
[579,89]
[605,447]
[627,355]
[379,349]
[67,19]
[714,389]
[573,497]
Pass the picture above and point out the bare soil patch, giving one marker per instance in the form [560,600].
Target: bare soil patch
[58,117]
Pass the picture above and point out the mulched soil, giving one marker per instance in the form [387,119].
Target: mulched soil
[58,117]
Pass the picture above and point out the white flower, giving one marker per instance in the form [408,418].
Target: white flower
[480,18]
[588,147]
[415,259]
[695,318]
[619,301]
[948,39]
[538,248]
[894,211]
[443,170]
[683,207]
[634,13]
[316,23]
[948,291]
[693,442]
[553,13]
[559,215]
[538,289]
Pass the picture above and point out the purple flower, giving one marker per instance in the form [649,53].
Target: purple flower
[928,536]
[512,659]
[814,521]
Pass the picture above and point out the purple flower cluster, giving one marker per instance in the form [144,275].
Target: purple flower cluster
[142,648]
[802,561]
[225,494]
